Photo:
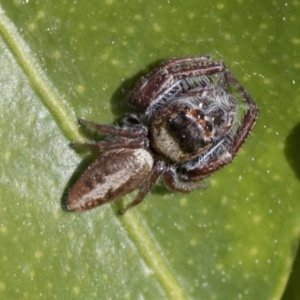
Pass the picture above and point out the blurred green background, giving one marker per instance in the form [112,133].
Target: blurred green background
[61,60]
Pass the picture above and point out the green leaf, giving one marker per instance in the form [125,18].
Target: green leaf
[61,60]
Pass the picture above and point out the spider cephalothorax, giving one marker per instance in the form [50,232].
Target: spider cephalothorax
[193,118]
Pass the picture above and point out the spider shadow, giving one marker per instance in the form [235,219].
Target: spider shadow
[291,150]
[119,100]
[291,291]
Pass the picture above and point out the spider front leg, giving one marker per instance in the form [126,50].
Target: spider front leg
[193,66]
[199,173]
[232,141]
[249,118]
[174,183]
[167,79]
[205,170]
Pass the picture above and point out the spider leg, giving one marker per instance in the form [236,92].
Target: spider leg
[184,60]
[146,187]
[173,182]
[205,170]
[124,137]
[198,70]
[111,145]
[128,132]
[249,118]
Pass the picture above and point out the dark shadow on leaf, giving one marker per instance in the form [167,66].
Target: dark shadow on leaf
[161,189]
[291,150]
[292,291]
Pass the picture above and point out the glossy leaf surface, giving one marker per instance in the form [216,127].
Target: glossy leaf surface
[61,60]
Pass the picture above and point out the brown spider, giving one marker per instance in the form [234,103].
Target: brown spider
[189,125]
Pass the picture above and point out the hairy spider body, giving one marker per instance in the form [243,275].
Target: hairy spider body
[189,125]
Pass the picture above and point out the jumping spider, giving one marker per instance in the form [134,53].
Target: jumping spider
[189,125]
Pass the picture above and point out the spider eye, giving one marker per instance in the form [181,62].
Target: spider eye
[208,126]
[199,114]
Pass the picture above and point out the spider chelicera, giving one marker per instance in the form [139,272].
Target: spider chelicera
[193,116]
